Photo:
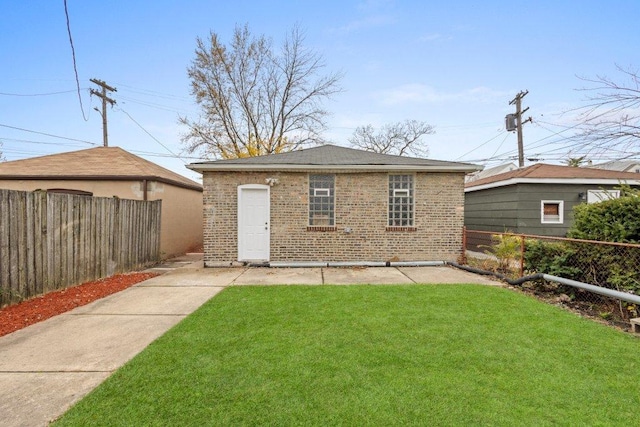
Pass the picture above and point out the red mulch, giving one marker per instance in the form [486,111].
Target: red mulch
[21,315]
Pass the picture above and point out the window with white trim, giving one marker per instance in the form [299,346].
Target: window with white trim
[400,201]
[321,200]
[595,196]
[552,211]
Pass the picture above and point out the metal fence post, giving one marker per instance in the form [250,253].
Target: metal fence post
[522,249]
[463,257]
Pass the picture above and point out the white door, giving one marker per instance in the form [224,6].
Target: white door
[253,222]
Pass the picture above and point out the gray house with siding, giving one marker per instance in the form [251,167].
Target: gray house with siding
[538,199]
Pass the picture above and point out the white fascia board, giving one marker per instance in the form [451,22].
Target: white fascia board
[302,168]
[572,181]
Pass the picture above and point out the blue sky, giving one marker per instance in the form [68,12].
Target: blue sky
[455,65]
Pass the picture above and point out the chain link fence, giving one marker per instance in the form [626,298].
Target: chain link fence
[605,264]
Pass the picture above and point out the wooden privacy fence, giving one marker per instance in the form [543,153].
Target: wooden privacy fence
[51,241]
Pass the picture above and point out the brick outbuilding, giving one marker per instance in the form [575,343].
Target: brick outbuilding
[332,204]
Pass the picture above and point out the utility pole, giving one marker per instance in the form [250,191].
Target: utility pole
[103,94]
[518,124]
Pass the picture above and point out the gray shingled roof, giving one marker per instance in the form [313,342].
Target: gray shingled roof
[616,165]
[332,157]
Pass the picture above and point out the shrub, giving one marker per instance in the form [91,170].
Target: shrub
[554,258]
[615,220]
[505,248]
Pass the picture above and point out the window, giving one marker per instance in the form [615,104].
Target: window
[321,200]
[595,196]
[552,212]
[400,200]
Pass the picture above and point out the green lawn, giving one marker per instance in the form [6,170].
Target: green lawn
[374,355]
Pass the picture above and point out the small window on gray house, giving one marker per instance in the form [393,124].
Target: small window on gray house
[552,211]
[321,200]
[400,200]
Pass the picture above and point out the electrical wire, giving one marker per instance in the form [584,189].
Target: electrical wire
[73,55]
[37,94]
[154,105]
[483,144]
[153,137]
[499,146]
[171,156]
[148,92]
[47,134]
[30,141]
[57,144]
[507,155]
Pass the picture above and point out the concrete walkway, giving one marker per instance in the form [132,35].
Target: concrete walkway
[47,367]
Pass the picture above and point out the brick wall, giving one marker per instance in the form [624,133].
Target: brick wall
[360,204]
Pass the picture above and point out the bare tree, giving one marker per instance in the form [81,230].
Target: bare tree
[255,100]
[610,118]
[397,138]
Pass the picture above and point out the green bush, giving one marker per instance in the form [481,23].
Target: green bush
[606,266]
[506,248]
[615,220]
[554,258]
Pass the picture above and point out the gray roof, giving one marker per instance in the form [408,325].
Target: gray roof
[333,157]
[617,165]
[492,171]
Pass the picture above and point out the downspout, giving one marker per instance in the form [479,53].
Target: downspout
[144,189]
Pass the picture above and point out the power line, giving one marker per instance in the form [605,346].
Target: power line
[148,92]
[171,156]
[47,134]
[30,141]
[481,145]
[554,133]
[24,152]
[533,145]
[37,94]
[154,105]
[73,55]
[153,137]
[57,144]
[500,146]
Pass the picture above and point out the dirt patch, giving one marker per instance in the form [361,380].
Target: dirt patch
[21,315]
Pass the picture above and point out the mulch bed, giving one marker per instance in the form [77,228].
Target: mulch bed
[34,310]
